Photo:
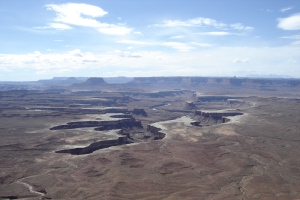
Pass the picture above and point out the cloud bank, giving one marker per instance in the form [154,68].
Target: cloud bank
[218,61]
[204,22]
[84,15]
[290,23]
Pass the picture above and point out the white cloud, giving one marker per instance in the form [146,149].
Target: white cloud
[217,33]
[117,51]
[134,42]
[200,44]
[72,13]
[267,10]
[115,30]
[292,61]
[57,26]
[289,23]
[293,37]
[177,37]
[296,42]
[81,14]
[263,60]
[37,53]
[75,52]
[195,22]
[296,39]
[286,9]
[132,55]
[241,27]
[5,70]
[203,22]
[137,33]
[178,46]
[239,60]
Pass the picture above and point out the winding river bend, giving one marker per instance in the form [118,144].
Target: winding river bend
[30,188]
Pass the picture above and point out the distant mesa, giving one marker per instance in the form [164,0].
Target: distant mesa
[118,80]
[263,84]
[293,83]
[94,81]
[157,80]
[137,84]
[72,79]
[62,81]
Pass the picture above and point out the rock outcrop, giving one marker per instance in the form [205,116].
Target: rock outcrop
[123,121]
[190,105]
[158,134]
[219,116]
[102,125]
[141,112]
[96,146]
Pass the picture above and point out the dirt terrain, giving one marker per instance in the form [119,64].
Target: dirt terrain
[151,138]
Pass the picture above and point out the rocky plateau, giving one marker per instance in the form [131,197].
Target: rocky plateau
[150,138]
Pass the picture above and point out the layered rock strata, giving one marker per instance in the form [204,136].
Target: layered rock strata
[219,116]
[158,134]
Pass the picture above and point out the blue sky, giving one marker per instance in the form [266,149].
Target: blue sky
[42,38]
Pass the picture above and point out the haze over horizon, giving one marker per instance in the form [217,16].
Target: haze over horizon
[45,39]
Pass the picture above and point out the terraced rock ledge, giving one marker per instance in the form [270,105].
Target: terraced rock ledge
[125,124]
[96,146]
[216,116]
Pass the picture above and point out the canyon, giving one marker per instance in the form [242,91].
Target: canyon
[150,138]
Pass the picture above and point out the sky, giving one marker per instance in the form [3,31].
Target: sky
[41,39]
